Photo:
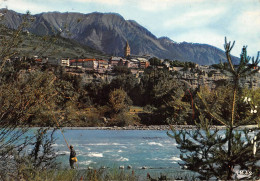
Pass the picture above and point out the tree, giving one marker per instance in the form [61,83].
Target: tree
[155,62]
[121,70]
[98,92]
[217,154]
[118,100]
[155,87]
[26,97]
[118,109]
[126,82]
[24,102]
[178,108]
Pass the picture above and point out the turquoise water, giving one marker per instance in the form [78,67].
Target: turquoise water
[151,149]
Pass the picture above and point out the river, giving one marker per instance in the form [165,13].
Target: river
[143,150]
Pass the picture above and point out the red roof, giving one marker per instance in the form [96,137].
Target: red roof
[102,60]
[82,60]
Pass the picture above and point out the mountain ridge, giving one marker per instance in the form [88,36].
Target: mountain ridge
[108,33]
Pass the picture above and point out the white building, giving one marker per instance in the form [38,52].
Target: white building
[65,62]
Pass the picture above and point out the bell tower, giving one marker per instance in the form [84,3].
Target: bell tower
[127,49]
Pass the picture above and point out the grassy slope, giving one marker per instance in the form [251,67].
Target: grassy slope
[53,47]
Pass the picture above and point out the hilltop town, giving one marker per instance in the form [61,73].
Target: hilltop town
[95,69]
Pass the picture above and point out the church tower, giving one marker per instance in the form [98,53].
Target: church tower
[127,49]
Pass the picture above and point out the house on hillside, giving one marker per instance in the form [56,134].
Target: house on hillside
[65,62]
[85,63]
[38,60]
[114,61]
[133,63]
[42,60]
[143,63]
[122,62]
[102,64]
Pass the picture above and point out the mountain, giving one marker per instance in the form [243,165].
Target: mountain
[108,33]
[51,46]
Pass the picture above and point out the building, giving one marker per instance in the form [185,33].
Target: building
[127,49]
[122,62]
[85,63]
[143,63]
[42,60]
[102,64]
[133,63]
[65,62]
[114,61]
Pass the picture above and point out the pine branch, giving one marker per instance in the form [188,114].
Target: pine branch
[228,49]
[216,117]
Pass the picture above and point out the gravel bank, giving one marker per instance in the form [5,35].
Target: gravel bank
[153,127]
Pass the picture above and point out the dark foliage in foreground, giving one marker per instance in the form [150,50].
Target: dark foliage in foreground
[218,154]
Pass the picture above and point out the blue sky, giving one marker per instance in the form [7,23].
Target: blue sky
[197,21]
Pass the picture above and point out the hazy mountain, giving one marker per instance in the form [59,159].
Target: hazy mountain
[108,32]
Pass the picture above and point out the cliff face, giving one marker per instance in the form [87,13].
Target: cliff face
[108,32]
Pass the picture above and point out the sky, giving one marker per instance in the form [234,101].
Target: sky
[195,21]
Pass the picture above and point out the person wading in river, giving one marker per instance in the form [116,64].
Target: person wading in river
[73,157]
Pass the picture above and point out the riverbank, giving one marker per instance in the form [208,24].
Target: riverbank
[154,127]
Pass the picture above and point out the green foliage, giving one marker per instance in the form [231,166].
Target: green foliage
[162,91]
[156,86]
[213,153]
[29,96]
[125,119]
[16,163]
[219,103]
[121,70]
[68,175]
[120,175]
[176,63]
[118,100]
[118,109]
[205,152]
[128,83]
[178,108]
[155,62]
